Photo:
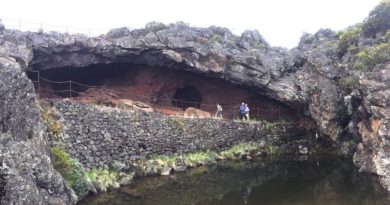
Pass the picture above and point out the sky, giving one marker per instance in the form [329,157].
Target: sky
[280,22]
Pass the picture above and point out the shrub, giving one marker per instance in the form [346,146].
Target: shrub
[349,83]
[378,20]
[155,26]
[381,53]
[387,35]
[377,55]
[363,60]
[54,127]
[71,170]
[220,30]
[216,38]
[348,40]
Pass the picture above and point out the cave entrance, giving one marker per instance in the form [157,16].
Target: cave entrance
[187,96]
[72,81]
[164,90]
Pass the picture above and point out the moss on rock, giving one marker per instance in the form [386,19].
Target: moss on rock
[72,171]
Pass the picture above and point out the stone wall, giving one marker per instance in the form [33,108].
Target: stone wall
[98,135]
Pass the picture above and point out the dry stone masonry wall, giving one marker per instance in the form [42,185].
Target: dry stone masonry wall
[98,135]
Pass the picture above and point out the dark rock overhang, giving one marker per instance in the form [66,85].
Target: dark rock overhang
[245,60]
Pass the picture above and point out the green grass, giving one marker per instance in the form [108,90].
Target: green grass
[71,170]
[103,179]
[270,125]
[158,162]
[165,160]
[200,158]
[238,151]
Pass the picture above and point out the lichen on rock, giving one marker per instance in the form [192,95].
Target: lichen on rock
[27,174]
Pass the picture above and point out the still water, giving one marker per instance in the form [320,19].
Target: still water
[288,181]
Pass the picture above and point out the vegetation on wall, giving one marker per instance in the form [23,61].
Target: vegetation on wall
[103,179]
[54,127]
[159,164]
[82,181]
[71,170]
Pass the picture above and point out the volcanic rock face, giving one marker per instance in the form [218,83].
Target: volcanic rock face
[306,78]
[302,79]
[214,51]
[26,173]
[316,79]
[374,125]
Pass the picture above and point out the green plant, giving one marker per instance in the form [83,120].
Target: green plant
[348,40]
[221,31]
[177,122]
[72,171]
[54,127]
[378,20]
[165,160]
[381,53]
[239,150]
[373,56]
[103,179]
[363,60]
[349,83]
[155,26]
[387,35]
[117,166]
[200,158]
[216,38]
[272,149]
[270,125]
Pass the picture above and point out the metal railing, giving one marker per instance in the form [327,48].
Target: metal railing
[230,111]
[19,24]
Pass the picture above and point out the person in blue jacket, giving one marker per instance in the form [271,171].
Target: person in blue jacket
[242,111]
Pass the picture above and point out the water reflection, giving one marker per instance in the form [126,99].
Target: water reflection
[314,181]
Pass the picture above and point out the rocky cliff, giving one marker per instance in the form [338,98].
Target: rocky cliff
[26,173]
[373,124]
[338,79]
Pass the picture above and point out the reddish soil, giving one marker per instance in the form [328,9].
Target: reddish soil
[153,89]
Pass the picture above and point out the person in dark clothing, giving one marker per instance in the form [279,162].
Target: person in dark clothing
[242,111]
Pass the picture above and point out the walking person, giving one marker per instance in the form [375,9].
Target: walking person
[242,111]
[246,112]
[218,114]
